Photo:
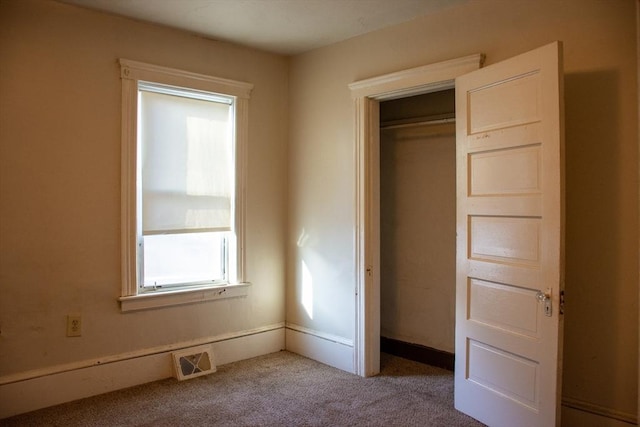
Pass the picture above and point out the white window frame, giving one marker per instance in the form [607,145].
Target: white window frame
[132,72]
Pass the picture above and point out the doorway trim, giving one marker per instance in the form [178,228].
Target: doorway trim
[367,95]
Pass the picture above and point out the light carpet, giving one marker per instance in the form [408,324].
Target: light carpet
[279,389]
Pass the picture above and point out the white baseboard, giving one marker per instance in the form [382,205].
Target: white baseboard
[578,413]
[325,348]
[31,391]
[34,390]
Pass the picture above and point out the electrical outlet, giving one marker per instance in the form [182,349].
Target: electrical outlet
[74,325]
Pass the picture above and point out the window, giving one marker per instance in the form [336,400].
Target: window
[185,174]
[183,162]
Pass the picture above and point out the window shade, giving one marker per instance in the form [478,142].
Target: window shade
[186,164]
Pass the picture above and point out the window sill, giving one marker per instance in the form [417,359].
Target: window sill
[182,296]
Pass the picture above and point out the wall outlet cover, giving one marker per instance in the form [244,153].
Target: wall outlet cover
[74,325]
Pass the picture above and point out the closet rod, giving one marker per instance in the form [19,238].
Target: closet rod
[420,123]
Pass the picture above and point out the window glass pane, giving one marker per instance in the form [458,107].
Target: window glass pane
[183,258]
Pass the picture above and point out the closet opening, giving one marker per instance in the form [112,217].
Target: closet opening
[418,227]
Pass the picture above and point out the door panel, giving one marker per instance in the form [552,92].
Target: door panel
[503,239]
[487,306]
[498,172]
[510,102]
[509,240]
[505,374]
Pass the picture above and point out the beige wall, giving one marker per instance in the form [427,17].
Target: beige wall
[60,184]
[601,330]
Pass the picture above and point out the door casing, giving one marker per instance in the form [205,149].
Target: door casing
[367,95]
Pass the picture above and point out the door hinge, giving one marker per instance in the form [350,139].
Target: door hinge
[562,302]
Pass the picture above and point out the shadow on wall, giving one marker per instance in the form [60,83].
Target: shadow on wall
[595,287]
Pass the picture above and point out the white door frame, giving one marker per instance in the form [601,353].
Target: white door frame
[367,95]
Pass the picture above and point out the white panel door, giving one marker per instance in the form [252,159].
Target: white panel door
[510,240]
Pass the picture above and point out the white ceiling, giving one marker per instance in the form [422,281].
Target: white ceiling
[286,27]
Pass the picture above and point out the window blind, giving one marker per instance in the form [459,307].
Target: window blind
[186,163]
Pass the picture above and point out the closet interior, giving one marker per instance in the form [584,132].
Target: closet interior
[417,227]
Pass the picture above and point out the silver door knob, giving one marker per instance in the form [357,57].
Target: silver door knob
[545,298]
